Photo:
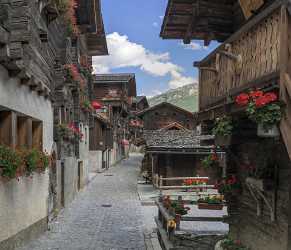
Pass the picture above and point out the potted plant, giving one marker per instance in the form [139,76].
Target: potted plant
[264,109]
[9,162]
[210,161]
[194,182]
[20,162]
[214,202]
[223,130]
[86,106]
[229,244]
[228,186]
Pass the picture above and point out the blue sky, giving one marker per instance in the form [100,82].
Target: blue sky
[132,28]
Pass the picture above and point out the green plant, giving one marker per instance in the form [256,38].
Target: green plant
[179,208]
[268,115]
[31,158]
[229,244]
[210,161]
[228,185]
[223,126]
[86,105]
[215,199]
[9,161]
[44,160]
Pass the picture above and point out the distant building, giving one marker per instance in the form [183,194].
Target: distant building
[116,92]
[166,114]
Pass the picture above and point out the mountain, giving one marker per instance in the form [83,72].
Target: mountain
[185,97]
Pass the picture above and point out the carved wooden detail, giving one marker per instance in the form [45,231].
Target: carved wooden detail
[251,56]
[249,7]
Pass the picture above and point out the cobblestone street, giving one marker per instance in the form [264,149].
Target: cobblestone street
[106,215]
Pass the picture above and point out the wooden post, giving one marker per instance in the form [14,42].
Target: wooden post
[161,182]
[152,161]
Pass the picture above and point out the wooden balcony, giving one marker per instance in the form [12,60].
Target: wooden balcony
[249,58]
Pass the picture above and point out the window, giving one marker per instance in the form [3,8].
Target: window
[18,130]
[24,132]
[7,133]
[37,136]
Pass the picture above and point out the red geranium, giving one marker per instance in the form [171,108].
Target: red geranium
[265,99]
[242,99]
[271,97]
[256,94]
[261,101]
[214,157]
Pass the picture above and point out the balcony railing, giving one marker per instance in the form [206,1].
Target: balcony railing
[251,55]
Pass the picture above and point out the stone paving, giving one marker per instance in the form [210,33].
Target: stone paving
[87,225]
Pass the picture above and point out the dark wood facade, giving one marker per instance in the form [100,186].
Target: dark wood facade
[166,114]
[117,93]
[253,55]
[100,134]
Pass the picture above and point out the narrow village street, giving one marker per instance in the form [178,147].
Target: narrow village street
[106,215]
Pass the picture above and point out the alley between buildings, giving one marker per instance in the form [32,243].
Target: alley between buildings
[107,215]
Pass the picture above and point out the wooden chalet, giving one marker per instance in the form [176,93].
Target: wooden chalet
[100,142]
[45,82]
[172,145]
[117,92]
[141,103]
[166,114]
[253,54]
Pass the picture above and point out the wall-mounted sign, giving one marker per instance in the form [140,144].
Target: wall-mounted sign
[249,6]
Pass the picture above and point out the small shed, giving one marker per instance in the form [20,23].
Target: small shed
[178,153]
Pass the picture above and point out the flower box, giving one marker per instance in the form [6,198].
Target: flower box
[269,132]
[202,205]
[223,141]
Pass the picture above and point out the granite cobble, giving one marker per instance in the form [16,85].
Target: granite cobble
[107,215]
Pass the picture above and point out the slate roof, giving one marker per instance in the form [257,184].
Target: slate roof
[177,139]
[166,104]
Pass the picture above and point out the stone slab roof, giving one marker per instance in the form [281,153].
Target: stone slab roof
[177,139]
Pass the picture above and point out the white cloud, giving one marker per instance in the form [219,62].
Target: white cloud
[155,24]
[178,80]
[124,53]
[193,46]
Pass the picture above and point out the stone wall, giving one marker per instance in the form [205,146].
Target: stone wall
[95,161]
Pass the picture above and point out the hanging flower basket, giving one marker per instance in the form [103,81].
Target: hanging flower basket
[223,130]
[268,132]
[263,108]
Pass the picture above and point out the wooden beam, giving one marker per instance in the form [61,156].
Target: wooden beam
[193,22]
[4,38]
[248,26]
[8,134]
